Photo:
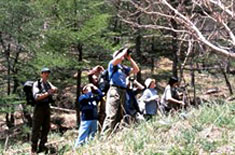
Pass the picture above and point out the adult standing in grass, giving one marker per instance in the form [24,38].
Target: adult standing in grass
[42,92]
[170,99]
[117,92]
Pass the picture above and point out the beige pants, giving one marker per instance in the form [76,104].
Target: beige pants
[114,108]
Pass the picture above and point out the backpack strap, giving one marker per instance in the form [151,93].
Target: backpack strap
[115,69]
[39,85]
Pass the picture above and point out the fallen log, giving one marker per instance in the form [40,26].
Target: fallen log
[212,91]
[63,110]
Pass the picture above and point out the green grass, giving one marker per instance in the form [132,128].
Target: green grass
[205,130]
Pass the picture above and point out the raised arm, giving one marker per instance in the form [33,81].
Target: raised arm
[119,57]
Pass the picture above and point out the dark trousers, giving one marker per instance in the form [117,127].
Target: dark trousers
[41,125]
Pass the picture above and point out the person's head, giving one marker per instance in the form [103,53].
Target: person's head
[45,72]
[94,79]
[130,81]
[173,81]
[116,53]
[150,83]
[86,89]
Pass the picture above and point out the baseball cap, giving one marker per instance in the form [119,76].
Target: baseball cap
[45,69]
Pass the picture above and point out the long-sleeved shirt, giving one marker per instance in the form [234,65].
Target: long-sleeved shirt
[149,99]
[88,105]
[43,88]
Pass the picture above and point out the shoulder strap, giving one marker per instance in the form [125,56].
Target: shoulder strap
[39,85]
[115,69]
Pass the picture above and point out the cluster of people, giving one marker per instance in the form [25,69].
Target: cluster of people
[115,100]
[109,99]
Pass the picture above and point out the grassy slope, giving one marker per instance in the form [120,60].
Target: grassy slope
[210,129]
[206,130]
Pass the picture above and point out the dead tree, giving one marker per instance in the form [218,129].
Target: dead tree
[201,19]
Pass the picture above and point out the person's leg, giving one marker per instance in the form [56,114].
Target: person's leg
[93,129]
[83,133]
[101,113]
[112,108]
[36,127]
[45,129]
[122,111]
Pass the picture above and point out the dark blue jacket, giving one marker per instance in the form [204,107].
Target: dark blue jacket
[88,105]
[131,105]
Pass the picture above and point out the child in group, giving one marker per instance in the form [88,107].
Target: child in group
[149,100]
[89,115]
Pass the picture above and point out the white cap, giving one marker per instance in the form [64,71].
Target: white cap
[148,82]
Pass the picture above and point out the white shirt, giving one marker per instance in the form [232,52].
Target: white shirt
[166,95]
[36,91]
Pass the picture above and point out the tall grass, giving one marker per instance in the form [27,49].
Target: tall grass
[208,129]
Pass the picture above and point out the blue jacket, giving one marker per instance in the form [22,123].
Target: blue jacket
[88,105]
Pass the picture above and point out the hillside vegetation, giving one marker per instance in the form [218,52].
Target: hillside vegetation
[210,129]
[206,129]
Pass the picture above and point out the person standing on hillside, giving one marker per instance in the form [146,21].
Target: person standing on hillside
[117,92]
[41,115]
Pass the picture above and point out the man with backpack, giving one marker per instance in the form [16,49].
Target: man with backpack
[117,91]
[42,93]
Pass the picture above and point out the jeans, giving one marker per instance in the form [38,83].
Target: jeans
[86,131]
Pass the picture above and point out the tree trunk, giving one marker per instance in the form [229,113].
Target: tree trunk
[138,47]
[7,52]
[223,70]
[79,73]
[9,116]
[152,58]
[15,71]
[193,83]
[174,50]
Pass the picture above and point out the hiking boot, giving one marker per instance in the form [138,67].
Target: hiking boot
[33,153]
[34,150]
[43,149]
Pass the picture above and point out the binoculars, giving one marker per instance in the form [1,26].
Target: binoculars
[129,52]
[132,78]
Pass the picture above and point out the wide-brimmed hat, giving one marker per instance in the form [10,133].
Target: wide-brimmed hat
[119,51]
[45,69]
[148,81]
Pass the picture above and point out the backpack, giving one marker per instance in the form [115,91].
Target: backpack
[28,90]
[104,80]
